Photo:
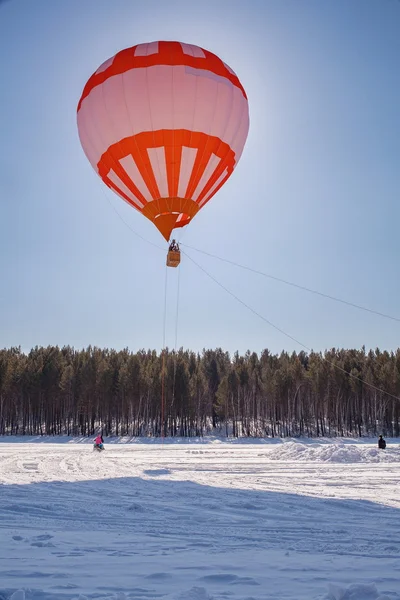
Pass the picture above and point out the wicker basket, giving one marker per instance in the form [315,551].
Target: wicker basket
[173,258]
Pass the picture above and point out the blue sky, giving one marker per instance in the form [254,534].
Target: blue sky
[314,199]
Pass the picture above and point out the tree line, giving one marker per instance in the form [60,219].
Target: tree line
[58,391]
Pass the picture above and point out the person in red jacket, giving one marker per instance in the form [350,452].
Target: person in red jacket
[99,442]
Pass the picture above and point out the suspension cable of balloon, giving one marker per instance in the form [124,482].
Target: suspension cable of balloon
[176,334]
[163,352]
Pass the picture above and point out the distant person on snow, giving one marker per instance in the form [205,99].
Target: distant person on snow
[99,442]
[381,443]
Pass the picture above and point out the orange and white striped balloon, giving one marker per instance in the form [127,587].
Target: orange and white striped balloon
[164,125]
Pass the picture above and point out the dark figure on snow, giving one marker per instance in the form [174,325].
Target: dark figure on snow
[381,443]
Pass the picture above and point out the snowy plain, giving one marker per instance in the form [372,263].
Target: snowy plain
[194,519]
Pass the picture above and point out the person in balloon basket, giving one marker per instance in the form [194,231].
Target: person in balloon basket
[174,246]
[381,443]
[99,442]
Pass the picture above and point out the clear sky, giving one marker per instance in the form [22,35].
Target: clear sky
[315,198]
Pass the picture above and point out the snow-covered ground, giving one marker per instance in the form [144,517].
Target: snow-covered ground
[199,520]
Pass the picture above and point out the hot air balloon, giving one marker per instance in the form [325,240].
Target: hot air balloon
[164,125]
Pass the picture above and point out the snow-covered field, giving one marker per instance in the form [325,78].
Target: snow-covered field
[195,520]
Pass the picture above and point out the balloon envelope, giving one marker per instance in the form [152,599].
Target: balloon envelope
[164,125]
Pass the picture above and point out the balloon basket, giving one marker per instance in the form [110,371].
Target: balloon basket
[173,258]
